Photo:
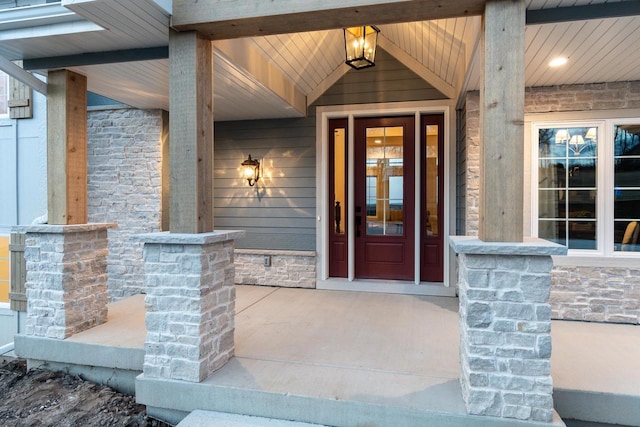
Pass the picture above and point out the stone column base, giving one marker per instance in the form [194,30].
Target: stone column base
[505,327]
[189,280]
[66,278]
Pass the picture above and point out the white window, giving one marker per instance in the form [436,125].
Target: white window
[587,185]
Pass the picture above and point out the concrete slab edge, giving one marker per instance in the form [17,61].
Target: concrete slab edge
[598,407]
[63,351]
[187,397]
[222,419]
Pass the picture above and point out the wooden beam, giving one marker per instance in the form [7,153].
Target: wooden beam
[97,58]
[502,122]
[67,148]
[583,12]
[226,19]
[191,132]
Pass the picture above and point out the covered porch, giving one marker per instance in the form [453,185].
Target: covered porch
[351,358]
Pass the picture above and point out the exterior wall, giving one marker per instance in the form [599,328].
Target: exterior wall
[461,170]
[279,211]
[124,183]
[23,179]
[289,269]
[472,164]
[23,167]
[596,294]
[593,293]
[388,81]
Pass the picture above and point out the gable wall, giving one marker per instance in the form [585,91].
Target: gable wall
[280,214]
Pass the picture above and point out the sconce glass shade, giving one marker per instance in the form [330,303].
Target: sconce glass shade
[251,170]
[360,46]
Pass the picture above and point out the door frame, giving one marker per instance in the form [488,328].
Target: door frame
[351,112]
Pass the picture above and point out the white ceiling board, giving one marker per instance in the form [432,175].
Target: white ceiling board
[306,59]
[145,84]
[438,45]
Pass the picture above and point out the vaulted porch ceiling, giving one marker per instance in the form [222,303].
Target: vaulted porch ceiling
[278,75]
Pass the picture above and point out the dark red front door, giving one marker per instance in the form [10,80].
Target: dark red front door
[384,198]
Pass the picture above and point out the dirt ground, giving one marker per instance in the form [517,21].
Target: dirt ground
[41,398]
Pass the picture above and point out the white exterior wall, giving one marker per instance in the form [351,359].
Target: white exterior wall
[23,188]
[23,167]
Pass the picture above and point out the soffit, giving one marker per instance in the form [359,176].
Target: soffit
[598,50]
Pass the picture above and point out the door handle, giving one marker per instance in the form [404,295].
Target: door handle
[358,223]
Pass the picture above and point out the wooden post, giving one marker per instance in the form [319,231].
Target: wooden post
[502,123]
[67,148]
[191,133]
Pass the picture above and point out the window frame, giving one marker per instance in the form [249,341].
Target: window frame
[605,180]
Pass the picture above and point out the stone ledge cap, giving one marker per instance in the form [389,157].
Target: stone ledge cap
[62,229]
[530,246]
[167,238]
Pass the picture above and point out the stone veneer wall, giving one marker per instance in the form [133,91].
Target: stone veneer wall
[290,269]
[124,185]
[607,294]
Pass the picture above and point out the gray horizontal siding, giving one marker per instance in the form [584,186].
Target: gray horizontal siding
[280,213]
[388,81]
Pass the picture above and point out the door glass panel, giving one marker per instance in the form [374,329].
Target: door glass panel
[385,181]
[339,173]
[431,216]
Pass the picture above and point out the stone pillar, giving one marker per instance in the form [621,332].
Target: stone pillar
[66,278]
[505,327]
[190,303]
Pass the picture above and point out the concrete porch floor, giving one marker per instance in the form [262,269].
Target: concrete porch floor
[344,358]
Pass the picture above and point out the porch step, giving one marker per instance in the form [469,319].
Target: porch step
[221,419]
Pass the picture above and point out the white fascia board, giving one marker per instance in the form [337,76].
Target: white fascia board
[50,30]
[34,16]
[42,21]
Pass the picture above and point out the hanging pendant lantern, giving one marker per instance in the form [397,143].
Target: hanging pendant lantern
[360,46]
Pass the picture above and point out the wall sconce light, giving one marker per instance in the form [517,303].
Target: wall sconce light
[360,46]
[251,170]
